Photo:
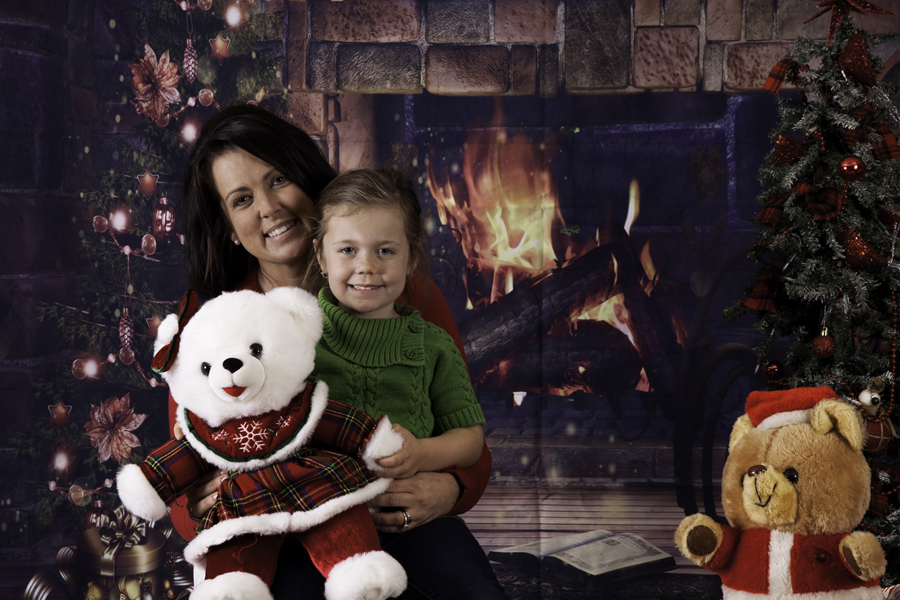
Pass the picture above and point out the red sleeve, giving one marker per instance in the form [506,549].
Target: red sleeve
[472,480]
[178,512]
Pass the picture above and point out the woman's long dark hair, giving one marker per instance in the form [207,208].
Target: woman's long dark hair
[216,264]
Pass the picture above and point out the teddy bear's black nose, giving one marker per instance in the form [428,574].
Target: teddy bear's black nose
[232,364]
[754,470]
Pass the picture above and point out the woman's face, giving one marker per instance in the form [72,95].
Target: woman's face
[271,217]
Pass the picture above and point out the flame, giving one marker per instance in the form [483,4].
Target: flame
[634,205]
[649,267]
[501,202]
[506,214]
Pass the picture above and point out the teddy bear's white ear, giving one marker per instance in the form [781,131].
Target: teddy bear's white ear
[303,307]
[165,332]
[742,427]
[840,416]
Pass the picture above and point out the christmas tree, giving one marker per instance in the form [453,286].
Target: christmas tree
[108,407]
[829,275]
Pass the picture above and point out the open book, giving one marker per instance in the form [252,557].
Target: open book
[588,559]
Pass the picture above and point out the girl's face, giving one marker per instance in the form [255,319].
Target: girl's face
[271,217]
[365,255]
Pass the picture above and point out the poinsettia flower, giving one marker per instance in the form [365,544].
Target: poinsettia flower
[154,84]
[110,428]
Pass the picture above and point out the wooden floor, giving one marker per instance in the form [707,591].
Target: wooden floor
[511,515]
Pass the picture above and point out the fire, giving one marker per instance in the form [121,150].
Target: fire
[505,213]
[508,210]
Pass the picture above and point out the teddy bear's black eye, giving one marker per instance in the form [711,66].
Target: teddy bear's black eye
[791,475]
[205,369]
[255,350]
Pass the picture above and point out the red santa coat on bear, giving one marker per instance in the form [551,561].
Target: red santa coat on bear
[762,564]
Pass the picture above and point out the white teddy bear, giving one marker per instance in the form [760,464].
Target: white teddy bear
[298,463]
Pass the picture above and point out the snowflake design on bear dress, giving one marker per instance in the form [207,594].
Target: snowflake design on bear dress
[251,436]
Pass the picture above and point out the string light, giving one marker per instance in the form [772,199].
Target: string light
[119,220]
[233,15]
[189,132]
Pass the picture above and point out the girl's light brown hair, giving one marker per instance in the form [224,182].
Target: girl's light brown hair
[368,188]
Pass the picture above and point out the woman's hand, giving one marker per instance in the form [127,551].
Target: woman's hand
[404,463]
[425,496]
[202,496]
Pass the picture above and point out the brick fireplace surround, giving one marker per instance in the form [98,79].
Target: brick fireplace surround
[543,47]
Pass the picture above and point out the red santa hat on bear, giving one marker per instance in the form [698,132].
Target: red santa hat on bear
[770,410]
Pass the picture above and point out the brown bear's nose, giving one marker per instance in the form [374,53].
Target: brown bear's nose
[756,470]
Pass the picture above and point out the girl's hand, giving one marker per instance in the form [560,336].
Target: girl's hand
[403,463]
[202,496]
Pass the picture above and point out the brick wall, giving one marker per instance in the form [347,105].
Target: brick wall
[511,47]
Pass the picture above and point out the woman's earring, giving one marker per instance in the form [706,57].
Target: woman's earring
[324,274]
[237,242]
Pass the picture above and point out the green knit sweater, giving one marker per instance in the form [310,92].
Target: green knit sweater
[405,368]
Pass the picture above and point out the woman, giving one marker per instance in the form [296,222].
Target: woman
[249,196]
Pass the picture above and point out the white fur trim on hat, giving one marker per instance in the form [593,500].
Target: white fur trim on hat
[371,575]
[232,586]
[793,417]
[138,495]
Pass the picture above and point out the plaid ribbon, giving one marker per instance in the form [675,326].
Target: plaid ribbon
[778,74]
[772,211]
[887,148]
[826,203]
[163,359]
[760,296]
[858,135]
[822,203]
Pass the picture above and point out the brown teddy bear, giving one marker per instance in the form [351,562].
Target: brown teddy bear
[794,486]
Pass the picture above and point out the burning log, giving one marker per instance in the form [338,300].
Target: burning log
[542,304]
[654,336]
[592,356]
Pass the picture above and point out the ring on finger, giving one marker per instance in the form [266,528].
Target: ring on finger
[406,519]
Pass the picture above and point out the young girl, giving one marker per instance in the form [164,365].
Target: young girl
[382,357]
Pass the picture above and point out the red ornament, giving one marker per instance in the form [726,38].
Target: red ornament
[773,371]
[860,254]
[205,96]
[78,369]
[788,150]
[163,220]
[147,183]
[153,325]
[95,513]
[148,244]
[59,414]
[851,168]
[824,345]
[220,48]
[855,60]
[878,435]
[190,62]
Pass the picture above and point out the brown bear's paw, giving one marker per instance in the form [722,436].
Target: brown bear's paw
[863,555]
[698,537]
